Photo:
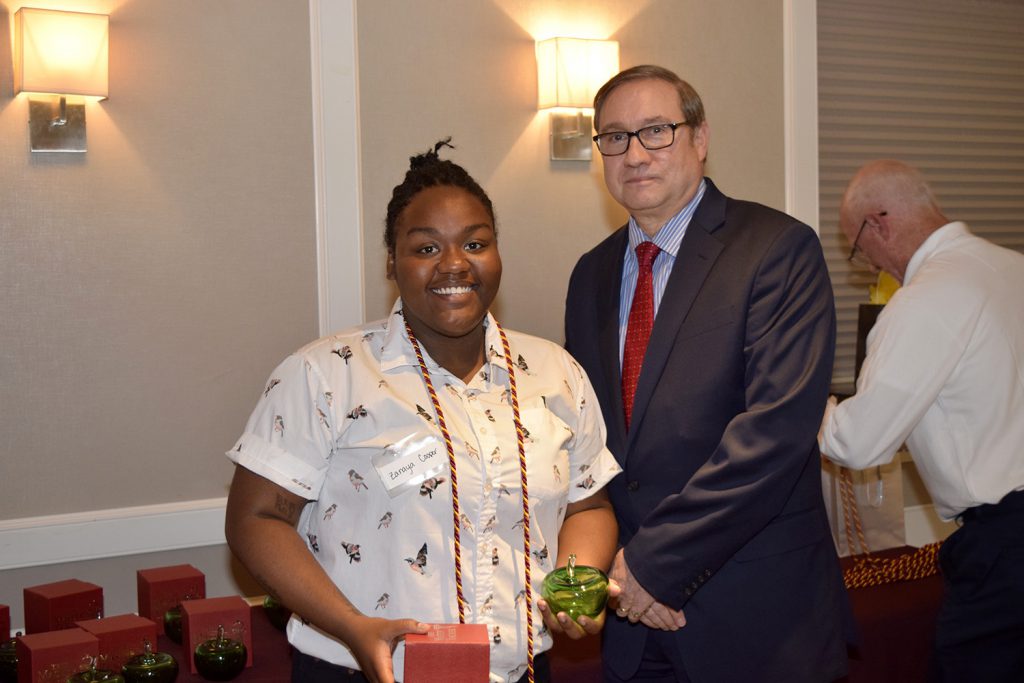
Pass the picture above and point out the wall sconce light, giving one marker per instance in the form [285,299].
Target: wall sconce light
[569,73]
[57,55]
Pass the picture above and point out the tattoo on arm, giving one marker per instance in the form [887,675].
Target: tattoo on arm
[287,509]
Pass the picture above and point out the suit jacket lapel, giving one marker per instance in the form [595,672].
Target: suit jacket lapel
[608,296]
[696,257]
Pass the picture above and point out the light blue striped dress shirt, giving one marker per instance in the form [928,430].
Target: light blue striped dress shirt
[668,240]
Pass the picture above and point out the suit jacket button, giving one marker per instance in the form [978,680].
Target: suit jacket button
[633,485]
[707,573]
[688,591]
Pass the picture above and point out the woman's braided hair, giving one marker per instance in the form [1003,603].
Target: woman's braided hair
[425,171]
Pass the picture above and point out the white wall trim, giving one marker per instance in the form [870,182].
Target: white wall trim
[56,539]
[800,108]
[336,160]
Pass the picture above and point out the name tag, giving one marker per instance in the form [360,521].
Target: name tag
[404,465]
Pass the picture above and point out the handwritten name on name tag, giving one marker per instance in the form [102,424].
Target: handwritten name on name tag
[408,463]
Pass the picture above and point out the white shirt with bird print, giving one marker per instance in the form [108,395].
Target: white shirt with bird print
[333,425]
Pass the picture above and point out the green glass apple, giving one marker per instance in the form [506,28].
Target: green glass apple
[94,675]
[172,624]
[576,590]
[9,661]
[220,658]
[150,667]
[276,612]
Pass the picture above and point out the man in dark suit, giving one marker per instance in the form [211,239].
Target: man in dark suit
[727,567]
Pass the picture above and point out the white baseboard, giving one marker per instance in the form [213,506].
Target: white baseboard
[56,539]
[924,526]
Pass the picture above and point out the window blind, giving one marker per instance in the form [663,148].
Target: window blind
[938,84]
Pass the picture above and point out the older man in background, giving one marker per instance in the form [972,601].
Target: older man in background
[944,372]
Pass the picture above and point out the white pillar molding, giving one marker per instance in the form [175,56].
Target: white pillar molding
[335,81]
[800,84]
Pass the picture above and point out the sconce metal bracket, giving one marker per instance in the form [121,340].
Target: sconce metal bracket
[56,125]
[571,136]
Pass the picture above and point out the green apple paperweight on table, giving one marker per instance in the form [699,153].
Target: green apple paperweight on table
[220,658]
[172,624]
[276,612]
[94,675]
[150,667]
[9,661]
[576,590]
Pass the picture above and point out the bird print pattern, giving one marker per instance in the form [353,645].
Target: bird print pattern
[419,563]
[352,550]
[343,352]
[359,405]
[357,480]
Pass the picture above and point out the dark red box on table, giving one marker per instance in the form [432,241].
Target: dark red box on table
[54,656]
[56,606]
[162,588]
[200,619]
[448,652]
[5,622]
[121,638]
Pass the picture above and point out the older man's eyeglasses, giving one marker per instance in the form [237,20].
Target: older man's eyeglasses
[658,136]
[856,256]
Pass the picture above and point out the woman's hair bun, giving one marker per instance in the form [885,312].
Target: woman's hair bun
[430,156]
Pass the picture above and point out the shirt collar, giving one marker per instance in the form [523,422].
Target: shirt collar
[397,350]
[670,236]
[933,243]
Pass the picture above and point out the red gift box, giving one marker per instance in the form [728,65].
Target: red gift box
[162,588]
[56,606]
[200,619]
[448,652]
[5,622]
[121,638]
[53,656]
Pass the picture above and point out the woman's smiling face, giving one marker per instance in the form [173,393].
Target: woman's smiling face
[445,263]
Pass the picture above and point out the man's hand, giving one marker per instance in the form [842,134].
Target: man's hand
[637,605]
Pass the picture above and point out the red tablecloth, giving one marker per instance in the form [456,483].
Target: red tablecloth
[896,627]
[571,661]
[896,624]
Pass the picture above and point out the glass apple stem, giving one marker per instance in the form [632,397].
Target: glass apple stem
[571,567]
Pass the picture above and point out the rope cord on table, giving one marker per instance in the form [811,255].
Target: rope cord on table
[868,570]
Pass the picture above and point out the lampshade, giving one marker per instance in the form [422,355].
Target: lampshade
[571,70]
[63,53]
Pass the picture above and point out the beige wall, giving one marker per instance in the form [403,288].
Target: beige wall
[148,287]
[466,68]
[151,284]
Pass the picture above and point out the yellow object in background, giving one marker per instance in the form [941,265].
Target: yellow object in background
[882,291]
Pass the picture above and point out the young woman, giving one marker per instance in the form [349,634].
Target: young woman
[417,469]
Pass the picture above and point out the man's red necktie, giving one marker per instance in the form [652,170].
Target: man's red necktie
[641,320]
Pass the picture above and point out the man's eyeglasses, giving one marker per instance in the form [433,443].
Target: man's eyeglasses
[854,257]
[658,136]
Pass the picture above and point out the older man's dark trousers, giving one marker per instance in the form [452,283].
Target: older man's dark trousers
[980,634]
